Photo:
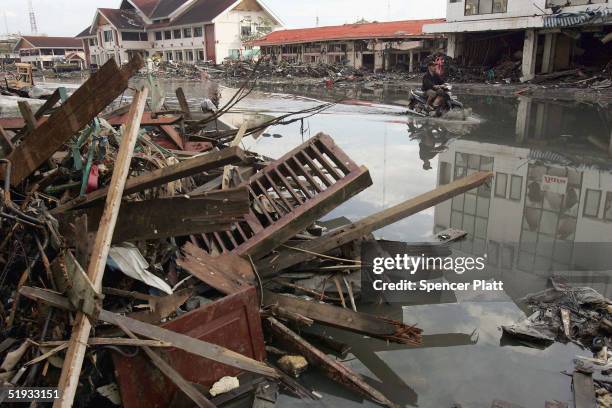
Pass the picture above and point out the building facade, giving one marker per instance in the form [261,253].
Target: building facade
[49,52]
[546,35]
[374,46]
[176,30]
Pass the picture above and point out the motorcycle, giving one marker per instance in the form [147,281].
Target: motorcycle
[418,103]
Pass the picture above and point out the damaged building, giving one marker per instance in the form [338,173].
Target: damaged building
[540,37]
[47,52]
[374,46]
[183,31]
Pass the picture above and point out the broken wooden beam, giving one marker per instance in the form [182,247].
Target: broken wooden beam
[167,217]
[147,119]
[55,97]
[308,250]
[180,95]
[162,176]
[71,370]
[166,369]
[80,109]
[28,115]
[6,144]
[324,313]
[189,344]
[584,390]
[227,273]
[335,370]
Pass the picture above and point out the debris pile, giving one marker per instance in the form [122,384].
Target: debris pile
[141,249]
[579,315]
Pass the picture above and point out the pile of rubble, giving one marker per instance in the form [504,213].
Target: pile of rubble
[579,315]
[152,227]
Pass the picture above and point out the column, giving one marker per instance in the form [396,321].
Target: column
[530,48]
[523,115]
[451,45]
[411,66]
[548,59]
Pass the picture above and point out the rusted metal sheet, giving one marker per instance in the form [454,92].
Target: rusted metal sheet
[291,193]
[233,322]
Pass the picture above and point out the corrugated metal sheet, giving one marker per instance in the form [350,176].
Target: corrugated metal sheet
[599,15]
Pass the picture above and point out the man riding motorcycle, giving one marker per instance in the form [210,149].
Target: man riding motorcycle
[432,87]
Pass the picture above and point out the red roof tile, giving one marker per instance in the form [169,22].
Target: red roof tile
[391,29]
[52,42]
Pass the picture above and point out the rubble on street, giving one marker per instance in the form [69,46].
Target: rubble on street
[145,256]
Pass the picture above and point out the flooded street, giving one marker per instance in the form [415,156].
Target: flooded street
[526,227]
[525,231]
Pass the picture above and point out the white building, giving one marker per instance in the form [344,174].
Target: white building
[548,34]
[177,30]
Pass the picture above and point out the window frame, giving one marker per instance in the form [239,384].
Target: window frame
[197,30]
[497,174]
[187,30]
[167,34]
[159,35]
[175,32]
[586,197]
[520,192]
[608,206]
[478,8]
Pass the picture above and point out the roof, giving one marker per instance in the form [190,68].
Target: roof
[203,11]
[391,29]
[52,42]
[146,6]
[166,7]
[85,33]
[123,19]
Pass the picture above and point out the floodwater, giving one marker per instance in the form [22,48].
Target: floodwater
[530,230]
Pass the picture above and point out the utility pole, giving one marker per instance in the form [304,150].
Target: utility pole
[33,27]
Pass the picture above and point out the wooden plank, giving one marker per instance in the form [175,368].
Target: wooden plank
[337,371]
[189,344]
[49,104]
[79,110]
[306,251]
[147,119]
[225,179]
[112,341]
[163,176]
[180,95]
[5,142]
[71,370]
[170,217]
[227,273]
[166,369]
[347,319]
[584,390]
[171,132]
[27,114]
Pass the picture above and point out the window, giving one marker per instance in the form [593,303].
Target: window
[186,32]
[167,35]
[200,55]
[197,31]
[608,207]
[134,36]
[168,55]
[474,7]
[591,203]
[158,36]
[178,55]
[92,42]
[516,188]
[108,36]
[501,185]
[176,34]
[189,55]
[245,30]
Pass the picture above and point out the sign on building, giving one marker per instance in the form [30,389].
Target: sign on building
[554,184]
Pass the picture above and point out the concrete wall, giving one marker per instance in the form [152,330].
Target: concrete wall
[516,8]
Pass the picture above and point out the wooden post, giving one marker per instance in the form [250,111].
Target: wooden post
[28,115]
[73,362]
[180,95]
[5,142]
[225,180]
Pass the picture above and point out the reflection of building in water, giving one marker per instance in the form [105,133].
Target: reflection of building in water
[548,209]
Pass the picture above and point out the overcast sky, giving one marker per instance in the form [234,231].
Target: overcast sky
[69,17]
